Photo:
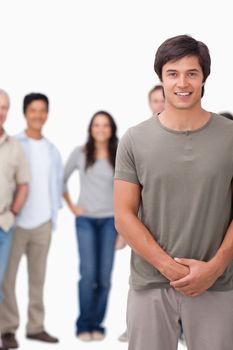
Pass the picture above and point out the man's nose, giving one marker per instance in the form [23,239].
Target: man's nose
[182,81]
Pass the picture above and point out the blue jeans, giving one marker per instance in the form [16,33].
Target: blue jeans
[96,242]
[5,245]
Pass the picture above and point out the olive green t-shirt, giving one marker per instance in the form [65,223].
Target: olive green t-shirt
[186,196]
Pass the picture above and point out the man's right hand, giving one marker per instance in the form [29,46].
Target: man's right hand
[173,271]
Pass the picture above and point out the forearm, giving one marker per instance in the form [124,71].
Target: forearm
[19,198]
[141,241]
[68,200]
[127,201]
[75,209]
[224,255]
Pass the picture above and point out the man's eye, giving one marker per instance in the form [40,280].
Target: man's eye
[172,74]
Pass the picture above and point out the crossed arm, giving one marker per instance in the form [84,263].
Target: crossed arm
[126,201]
[188,276]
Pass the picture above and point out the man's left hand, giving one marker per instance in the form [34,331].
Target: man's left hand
[202,276]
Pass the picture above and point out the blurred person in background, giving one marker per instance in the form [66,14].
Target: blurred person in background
[95,230]
[14,178]
[227,115]
[34,225]
[156,99]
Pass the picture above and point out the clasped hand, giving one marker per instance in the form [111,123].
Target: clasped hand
[200,277]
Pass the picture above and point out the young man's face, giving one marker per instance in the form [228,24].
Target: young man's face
[156,101]
[4,106]
[182,82]
[36,115]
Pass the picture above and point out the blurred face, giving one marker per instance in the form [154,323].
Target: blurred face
[156,101]
[36,115]
[101,130]
[182,82]
[4,107]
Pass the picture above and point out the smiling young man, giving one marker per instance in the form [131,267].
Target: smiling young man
[32,235]
[176,172]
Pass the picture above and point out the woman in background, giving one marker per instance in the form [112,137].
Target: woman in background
[95,230]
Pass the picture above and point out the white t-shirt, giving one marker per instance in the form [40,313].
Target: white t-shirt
[37,209]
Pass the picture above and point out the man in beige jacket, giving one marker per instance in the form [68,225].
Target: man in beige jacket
[14,177]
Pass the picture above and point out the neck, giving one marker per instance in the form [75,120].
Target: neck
[101,150]
[183,120]
[101,146]
[1,131]
[34,134]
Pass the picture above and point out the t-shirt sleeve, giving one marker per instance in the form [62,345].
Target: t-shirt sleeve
[71,165]
[22,175]
[125,163]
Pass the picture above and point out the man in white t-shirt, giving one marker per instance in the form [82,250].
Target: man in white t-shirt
[34,225]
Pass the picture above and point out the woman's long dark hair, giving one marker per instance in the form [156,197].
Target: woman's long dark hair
[112,143]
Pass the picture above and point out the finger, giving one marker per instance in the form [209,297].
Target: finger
[186,291]
[183,261]
[190,291]
[181,282]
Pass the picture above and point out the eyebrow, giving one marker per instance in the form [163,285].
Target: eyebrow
[189,70]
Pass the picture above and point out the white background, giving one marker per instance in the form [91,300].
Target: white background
[90,55]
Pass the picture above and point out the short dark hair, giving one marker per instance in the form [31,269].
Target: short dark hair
[227,115]
[155,88]
[178,47]
[34,96]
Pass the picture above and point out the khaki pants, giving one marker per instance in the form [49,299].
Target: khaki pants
[153,320]
[35,245]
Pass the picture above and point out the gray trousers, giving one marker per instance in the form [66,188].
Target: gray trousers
[153,320]
[35,245]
